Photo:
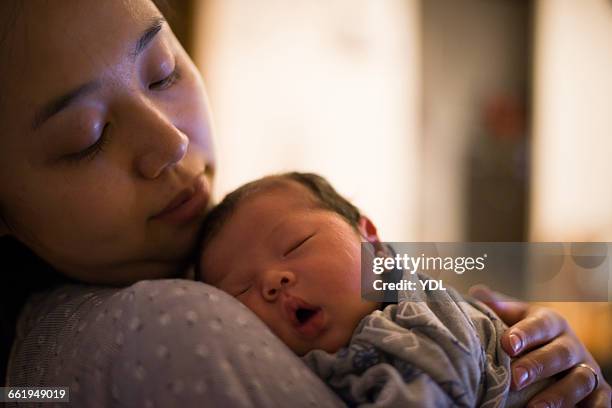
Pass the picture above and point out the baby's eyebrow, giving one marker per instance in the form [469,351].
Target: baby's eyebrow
[278,226]
[61,102]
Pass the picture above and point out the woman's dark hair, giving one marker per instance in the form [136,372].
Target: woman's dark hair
[325,196]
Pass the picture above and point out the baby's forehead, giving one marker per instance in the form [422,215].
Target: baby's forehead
[255,212]
[285,194]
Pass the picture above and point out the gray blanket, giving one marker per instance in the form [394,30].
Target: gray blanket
[433,348]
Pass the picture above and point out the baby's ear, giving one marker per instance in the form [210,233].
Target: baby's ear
[368,230]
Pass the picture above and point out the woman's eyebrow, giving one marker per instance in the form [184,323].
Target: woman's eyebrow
[60,103]
[147,36]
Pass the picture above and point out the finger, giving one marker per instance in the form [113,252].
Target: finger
[568,391]
[508,309]
[541,326]
[559,355]
[600,398]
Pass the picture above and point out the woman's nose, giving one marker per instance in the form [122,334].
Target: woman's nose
[162,144]
[274,282]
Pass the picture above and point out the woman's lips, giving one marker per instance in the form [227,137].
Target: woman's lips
[186,205]
[309,327]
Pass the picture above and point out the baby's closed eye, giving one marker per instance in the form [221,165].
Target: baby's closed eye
[298,244]
[243,291]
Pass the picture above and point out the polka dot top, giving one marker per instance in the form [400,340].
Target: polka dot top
[161,343]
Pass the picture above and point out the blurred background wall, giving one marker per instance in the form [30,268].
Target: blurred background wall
[444,120]
[475,59]
[572,142]
[328,87]
[572,166]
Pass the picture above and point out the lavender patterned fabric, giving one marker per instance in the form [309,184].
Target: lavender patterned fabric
[162,343]
[432,349]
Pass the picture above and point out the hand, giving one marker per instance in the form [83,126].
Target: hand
[544,345]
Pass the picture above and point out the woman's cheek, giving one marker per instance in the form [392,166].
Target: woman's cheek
[102,209]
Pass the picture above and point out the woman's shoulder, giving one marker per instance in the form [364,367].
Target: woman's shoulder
[69,332]
[164,340]
[71,306]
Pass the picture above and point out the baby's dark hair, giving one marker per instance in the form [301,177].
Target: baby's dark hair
[326,197]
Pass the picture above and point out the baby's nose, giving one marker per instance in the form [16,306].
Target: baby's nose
[275,281]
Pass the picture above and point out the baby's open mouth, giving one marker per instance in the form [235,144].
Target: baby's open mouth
[307,319]
[303,315]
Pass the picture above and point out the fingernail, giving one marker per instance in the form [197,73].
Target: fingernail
[540,404]
[515,342]
[520,376]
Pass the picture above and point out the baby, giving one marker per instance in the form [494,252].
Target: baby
[289,248]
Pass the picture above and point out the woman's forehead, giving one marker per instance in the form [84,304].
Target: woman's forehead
[54,46]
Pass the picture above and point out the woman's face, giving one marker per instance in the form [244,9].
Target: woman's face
[104,124]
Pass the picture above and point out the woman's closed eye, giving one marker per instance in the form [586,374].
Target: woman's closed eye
[298,244]
[167,81]
[91,151]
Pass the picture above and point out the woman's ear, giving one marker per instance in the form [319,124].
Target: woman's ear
[367,229]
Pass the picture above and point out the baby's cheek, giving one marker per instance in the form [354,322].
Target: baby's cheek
[345,276]
[337,337]
[274,322]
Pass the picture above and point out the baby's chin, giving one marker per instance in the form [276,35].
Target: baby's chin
[330,343]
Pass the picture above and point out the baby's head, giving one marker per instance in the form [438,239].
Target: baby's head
[289,248]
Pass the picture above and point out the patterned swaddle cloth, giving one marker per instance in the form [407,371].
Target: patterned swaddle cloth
[432,348]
